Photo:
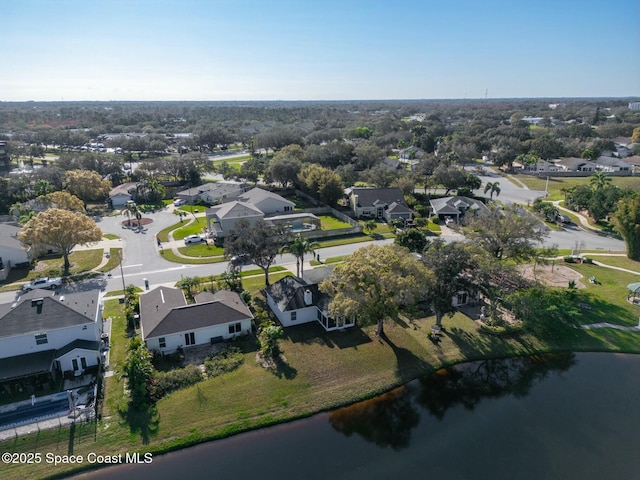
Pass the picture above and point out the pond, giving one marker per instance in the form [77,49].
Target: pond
[565,416]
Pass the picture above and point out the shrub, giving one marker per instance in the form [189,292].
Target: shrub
[223,362]
[166,382]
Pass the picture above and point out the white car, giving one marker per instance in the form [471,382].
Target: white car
[193,239]
[178,202]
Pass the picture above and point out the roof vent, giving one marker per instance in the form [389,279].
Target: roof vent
[62,298]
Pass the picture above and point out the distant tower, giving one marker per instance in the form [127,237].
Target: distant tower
[486,93]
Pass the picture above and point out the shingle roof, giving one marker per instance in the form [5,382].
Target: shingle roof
[288,294]
[9,236]
[368,197]
[455,205]
[235,209]
[176,316]
[40,310]
[81,344]
[28,364]
[258,194]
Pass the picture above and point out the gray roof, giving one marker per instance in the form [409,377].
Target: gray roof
[176,316]
[9,236]
[368,197]
[573,162]
[26,365]
[612,162]
[288,294]
[455,205]
[235,209]
[125,188]
[79,344]
[215,188]
[40,310]
[258,194]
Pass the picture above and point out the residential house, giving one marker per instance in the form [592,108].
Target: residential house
[222,218]
[296,301]
[12,251]
[634,161]
[213,193]
[168,322]
[612,164]
[455,207]
[574,164]
[122,194]
[45,336]
[383,203]
[539,166]
[267,202]
[410,153]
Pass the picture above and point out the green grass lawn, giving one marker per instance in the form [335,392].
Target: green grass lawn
[329,222]
[168,255]
[201,250]
[622,262]
[193,228]
[163,235]
[110,236]
[115,254]
[557,183]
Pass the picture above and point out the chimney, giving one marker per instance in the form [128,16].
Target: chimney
[308,297]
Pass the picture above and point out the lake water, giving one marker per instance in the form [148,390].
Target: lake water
[550,417]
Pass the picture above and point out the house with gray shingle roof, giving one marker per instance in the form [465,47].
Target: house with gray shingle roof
[222,218]
[44,335]
[296,301]
[386,203]
[168,322]
[213,192]
[267,202]
[455,207]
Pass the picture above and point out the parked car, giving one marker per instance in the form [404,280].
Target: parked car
[193,239]
[242,259]
[43,282]
[179,201]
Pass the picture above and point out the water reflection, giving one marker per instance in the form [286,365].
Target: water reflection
[387,420]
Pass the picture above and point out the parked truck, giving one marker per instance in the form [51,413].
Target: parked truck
[43,282]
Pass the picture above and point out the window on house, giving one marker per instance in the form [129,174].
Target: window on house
[41,339]
[83,362]
[189,338]
[294,316]
[288,208]
[162,342]
[235,328]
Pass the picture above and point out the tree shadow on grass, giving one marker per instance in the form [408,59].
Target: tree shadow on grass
[144,422]
[313,333]
[408,365]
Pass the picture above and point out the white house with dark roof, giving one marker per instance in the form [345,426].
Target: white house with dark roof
[167,322]
[222,218]
[455,207]
[574,164]
[122,194]
[267,202]
[45,335]
[296,301]
[12,251]
[612,164]
[385,203]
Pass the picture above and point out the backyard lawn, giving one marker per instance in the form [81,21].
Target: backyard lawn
[329,222]
[556,184]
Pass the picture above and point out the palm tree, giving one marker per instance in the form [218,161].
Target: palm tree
[599,180]
[131,210]
[492,187]
[298,248]
[370,226]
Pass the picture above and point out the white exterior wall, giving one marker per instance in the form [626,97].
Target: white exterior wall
[273,205]
[23,344]
[228,223]
[92,358]
[203,336]
[13,255]
[303,315]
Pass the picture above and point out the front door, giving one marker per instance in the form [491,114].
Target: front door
[74,362]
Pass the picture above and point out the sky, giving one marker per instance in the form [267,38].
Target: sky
[317,49]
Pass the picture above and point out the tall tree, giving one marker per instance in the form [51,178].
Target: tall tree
[627,222]
[138,370]
[373,283]
[63,200]
[260,241]
[510,232]
[60,229]
[448,262]
[321,182]
[413,239]
[299,247]
[87,185]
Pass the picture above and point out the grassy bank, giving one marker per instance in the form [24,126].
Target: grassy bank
[323,371]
